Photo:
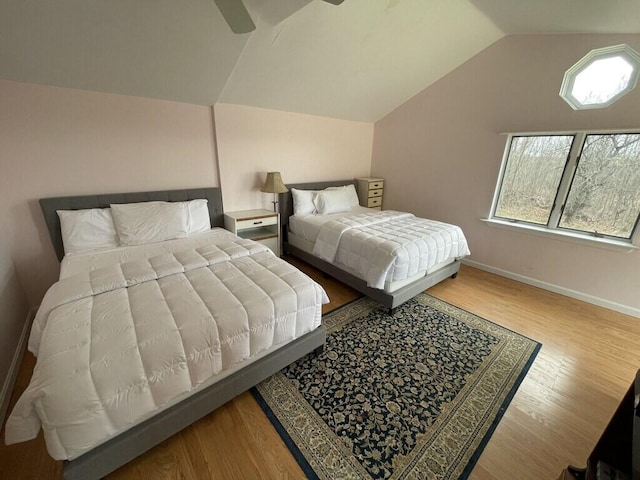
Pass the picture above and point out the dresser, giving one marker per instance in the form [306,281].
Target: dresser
[370,192]
[263,226]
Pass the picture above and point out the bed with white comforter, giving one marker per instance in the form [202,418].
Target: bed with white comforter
[157,320]
[134,330]
[387,255]
[381,247]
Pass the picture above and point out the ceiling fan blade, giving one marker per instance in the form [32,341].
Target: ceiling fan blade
[334,2]
[236,15]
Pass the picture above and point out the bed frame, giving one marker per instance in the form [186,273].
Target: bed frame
[389,300]
[123,448]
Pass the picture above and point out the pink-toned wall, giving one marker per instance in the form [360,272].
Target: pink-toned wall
[57,141]
[13,316]
[440,153]
[303,148]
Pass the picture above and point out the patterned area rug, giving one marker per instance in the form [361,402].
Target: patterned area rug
[413,395]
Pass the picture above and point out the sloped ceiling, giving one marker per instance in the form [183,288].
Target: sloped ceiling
[171,49]
[563,16]
[357,61]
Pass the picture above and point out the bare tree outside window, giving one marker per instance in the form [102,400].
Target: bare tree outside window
[586,183]
[531,178]
[605,192]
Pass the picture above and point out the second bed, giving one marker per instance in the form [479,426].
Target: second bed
[387,255]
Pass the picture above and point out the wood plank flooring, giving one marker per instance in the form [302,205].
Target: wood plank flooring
[588,360]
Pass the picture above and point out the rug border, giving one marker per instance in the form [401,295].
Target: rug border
[507,400]
[337,309]
[308,470]
[502,410]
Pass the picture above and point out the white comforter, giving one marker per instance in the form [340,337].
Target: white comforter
[117,344]
[388,246]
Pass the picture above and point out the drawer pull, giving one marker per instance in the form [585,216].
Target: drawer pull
[258,222]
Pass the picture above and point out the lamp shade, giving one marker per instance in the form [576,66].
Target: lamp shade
[273,184]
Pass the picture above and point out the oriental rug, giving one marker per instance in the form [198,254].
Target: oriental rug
[413,394]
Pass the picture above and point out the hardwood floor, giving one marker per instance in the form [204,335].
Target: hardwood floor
[588,360]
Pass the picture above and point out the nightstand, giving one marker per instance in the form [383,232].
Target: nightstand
[370,192]
[262,225]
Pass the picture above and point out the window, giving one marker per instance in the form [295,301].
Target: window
[601,77]
[584,183]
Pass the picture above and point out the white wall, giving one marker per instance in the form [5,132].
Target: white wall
[441,151]
[13,316]
[56,141]
[303,148]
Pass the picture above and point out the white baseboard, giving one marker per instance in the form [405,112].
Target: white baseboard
[10,380]
[601,302]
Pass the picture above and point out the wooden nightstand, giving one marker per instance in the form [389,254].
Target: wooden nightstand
[370,192]
[262,225]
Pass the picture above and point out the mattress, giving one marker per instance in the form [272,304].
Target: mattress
[118,342]
[386,249]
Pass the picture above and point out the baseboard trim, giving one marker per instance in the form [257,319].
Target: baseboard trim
[10,380]
[601,302]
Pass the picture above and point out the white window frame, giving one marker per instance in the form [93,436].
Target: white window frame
[623,51]
[552,229]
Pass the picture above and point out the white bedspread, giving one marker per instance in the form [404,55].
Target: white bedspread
[75,263]
[308,226]
[388,246]
[118,343]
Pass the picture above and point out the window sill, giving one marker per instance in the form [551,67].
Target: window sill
[608,243]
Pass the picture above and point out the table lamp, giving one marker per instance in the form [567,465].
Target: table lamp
[273,184]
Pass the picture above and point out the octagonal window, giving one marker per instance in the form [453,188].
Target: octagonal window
[601,77]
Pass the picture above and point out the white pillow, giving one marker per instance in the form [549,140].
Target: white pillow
[149,222]
[351,191]
[198,220]
[333,201]
[303,201]
[87,229]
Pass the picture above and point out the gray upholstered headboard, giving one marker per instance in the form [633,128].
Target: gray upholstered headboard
[286,200]
[50,205]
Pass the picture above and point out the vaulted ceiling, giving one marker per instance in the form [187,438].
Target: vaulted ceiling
[356,61]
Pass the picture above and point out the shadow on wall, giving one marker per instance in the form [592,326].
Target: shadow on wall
[13,315]
[40,261]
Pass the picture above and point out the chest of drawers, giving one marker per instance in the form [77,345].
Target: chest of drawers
[370,192]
